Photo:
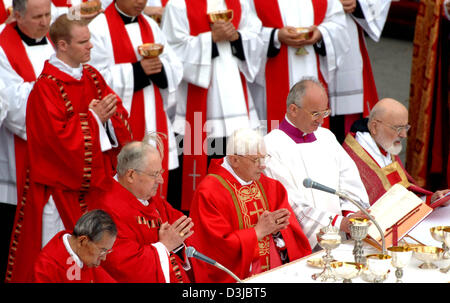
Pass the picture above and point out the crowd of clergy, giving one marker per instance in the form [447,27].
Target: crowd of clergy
[134,133]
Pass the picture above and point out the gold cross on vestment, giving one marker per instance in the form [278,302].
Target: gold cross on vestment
[257,210]
[267,266]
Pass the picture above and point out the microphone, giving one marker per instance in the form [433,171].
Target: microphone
[308,183]
[192,253]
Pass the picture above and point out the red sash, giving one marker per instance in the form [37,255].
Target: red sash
[17,56]
[64,3]
[194,156]
[3,13]
[277,68]
[124,53]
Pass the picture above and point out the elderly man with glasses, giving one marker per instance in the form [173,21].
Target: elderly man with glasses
[151,233]
[301,148]
[242,218]
[375,143]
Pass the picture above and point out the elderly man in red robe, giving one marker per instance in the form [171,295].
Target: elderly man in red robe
[75,126]
[75,257]
[374,145]
[243,218]
[151,233]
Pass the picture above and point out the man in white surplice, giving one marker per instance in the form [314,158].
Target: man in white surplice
[301,149]
[217,59]
[354,93]
[319,57]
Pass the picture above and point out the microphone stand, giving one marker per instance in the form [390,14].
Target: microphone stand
[383,240]
[220,266]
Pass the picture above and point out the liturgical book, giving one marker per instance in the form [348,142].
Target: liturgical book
[397,212]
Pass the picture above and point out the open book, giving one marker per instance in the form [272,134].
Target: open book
[397,212]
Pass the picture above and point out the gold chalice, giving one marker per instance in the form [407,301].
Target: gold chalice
[428,254]
[304,34]
[378,265]
[150,50]
[346,270]
[90,7]
[401,256]
[358,232]
[226,15]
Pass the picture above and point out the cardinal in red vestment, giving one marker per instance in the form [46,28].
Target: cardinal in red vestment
[243,218]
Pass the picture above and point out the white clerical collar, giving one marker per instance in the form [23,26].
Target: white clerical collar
[368,143]
[288,121]
[71,252]
[75,72]
[118,9]
[228,167]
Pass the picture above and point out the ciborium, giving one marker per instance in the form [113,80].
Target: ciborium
[150,50]
[225,15]
[358,231]
[378,265]
[328,238]
[346,270]
[428,255]
[401,255]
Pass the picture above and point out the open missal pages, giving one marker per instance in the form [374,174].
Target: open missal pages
[397,212]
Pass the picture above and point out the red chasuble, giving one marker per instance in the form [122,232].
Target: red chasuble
[124,53]
[378,180]
[277,68]
[133,258]
[65,158]
[56,265]
[195,162]
[224,214]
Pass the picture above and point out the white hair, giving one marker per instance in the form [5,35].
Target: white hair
[245,141]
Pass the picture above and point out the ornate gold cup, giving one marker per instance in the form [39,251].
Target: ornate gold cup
[226,15]
[90,7]
[428,254]
[358,231]
[150,50]
[346,270]
[401,256]
[378,265]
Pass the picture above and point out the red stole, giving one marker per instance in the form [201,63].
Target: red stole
[64,3]
[17,56]
[124,53]
[195,159]
[277,68]
[3,13]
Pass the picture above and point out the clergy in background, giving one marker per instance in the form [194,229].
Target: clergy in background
[375,144]
[218,59]
[144,84]
[75,127]
[290,54]
[300,148]
[75,257]
[242,218]
[23,51]
[151,233]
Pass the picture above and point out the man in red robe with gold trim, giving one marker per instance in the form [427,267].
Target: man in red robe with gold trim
[374,145]
[149,246]
[75,126]
[243,218]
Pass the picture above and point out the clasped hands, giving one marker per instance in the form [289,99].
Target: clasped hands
[104,108]
[272,222]
[223,31]
[173,235]
[288,35]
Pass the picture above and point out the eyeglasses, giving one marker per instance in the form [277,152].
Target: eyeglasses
[317,115]
[397,128]
[259,160]
[153,175]
[102,251]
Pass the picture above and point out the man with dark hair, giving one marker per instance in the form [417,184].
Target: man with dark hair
[75,126]
[76,257]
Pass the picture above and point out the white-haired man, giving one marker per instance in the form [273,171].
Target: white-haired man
[301,149]
[243,217]
[375,143]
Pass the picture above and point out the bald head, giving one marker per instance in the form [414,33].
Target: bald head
[388,124]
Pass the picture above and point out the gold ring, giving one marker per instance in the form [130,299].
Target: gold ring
[277,221]
[181,234]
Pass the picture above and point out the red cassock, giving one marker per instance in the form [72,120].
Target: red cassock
[224,214]
[378,180]
[133,258]
[65,157]
[55,265]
